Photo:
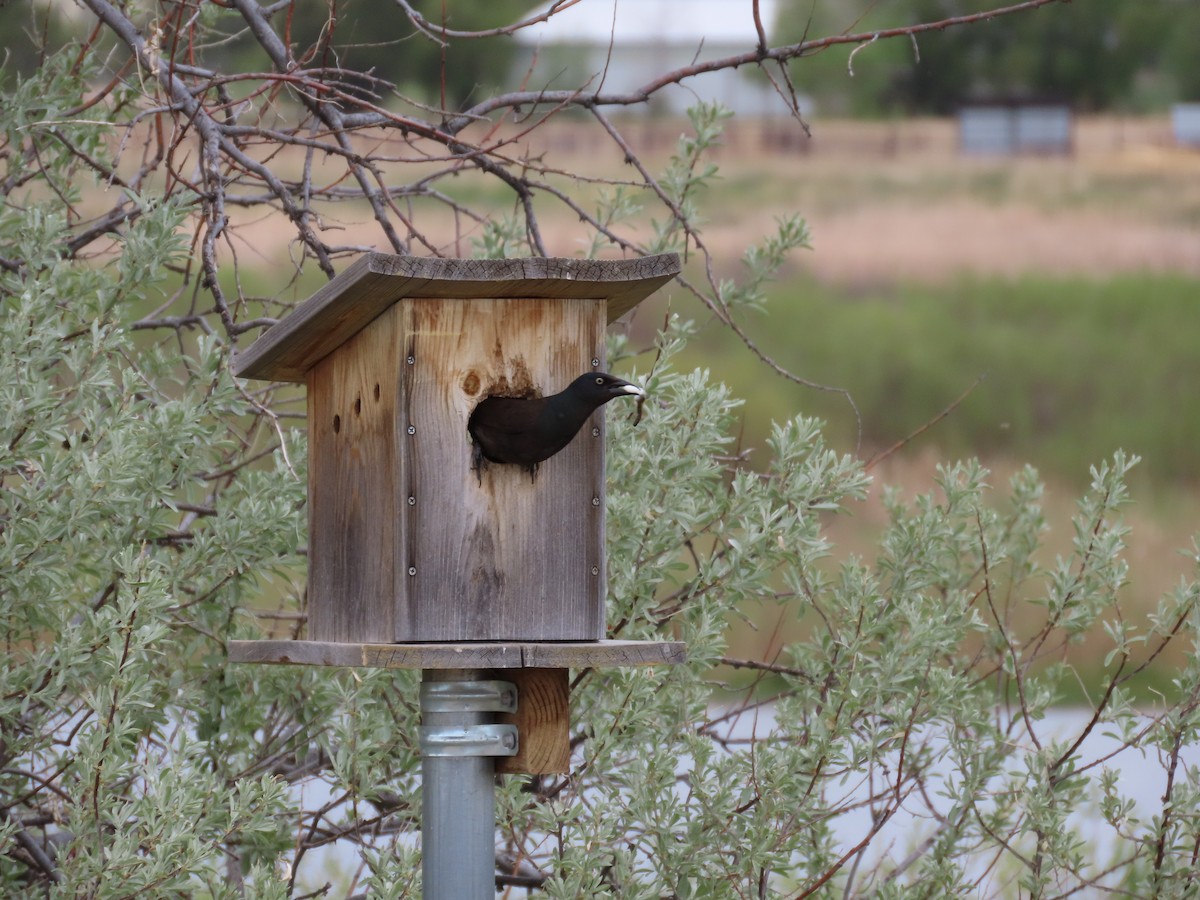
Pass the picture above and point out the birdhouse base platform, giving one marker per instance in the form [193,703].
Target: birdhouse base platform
[467,655]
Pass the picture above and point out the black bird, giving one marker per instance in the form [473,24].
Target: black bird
[526,431]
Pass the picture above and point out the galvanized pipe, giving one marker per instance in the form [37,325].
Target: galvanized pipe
[458,799]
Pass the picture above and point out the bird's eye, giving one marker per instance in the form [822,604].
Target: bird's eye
[599,381]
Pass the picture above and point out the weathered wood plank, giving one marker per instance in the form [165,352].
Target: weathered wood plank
[353,477]
[543,719]
[602,654]
[375,281]
[498,655]
[502,556]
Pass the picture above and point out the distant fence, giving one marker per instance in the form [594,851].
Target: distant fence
[1005,129]
[893,138]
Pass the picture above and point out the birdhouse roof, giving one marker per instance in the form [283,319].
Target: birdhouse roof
[375,281]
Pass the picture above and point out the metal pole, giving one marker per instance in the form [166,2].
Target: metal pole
[458,800]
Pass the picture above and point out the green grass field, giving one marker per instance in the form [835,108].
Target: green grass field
[1071,369]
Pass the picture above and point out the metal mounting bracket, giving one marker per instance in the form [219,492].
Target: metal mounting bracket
[468,696]
[463,703]
[469,740]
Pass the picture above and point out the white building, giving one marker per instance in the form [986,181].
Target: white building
[621,46]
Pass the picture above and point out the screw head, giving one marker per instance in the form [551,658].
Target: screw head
[411,359]
[595,362]
[595,432]
[595,501]
[595,570]
[412,429]
[412,501]
[412,570]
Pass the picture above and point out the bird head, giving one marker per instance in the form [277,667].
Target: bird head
[597,388]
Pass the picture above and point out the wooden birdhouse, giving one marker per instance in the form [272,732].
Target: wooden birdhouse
[407,541]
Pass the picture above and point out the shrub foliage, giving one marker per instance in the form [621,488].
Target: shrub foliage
[152,509]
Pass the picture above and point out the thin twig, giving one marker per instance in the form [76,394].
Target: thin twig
[884,454]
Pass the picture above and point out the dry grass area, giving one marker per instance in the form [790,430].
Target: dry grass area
[884,200]
[935,241]
[889,201]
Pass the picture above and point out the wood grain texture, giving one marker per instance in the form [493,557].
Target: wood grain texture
[375,281]
[353,474]
[503,556]
[503,655]
[543,719]
[406,542]
[606,654]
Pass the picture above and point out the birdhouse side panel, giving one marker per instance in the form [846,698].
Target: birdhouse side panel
[353,478]
[498,553]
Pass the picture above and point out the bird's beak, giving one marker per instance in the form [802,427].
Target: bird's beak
[631,389]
